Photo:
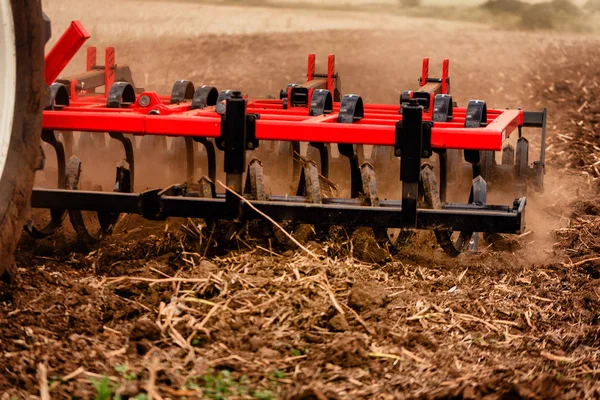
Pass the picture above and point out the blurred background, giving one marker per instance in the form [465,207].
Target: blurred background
[259,46]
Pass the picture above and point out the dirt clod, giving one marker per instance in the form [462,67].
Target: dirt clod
[268,353]
[365,296]
[144,329]
[348,351]
[366,247]
[338,323]
[310,394]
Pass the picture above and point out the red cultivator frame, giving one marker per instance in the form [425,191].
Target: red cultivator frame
[425,122]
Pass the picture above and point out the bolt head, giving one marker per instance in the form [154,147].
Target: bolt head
[144,101]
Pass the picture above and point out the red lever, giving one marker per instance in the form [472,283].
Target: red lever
[64,50]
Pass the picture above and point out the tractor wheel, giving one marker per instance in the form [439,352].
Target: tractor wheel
[22,95]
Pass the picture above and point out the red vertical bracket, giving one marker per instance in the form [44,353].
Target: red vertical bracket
[289,97]
[446,76]
[90,60]
[331,73]
[63,51]
[312,60]
[74,95]
[109,69]
[424,72]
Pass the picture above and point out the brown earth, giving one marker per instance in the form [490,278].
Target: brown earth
[152,311]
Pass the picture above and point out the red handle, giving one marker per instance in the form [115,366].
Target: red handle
[64,50]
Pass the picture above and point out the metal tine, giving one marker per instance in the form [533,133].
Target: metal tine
[123,184]
[309,185]
[522,165]
[478,196]
[508,155]
[254,189]
[254,186]
[129,157]
[57,216]
[369,195]
[207,188]
[432,198]
[211,157]
[369,184]
[72,183]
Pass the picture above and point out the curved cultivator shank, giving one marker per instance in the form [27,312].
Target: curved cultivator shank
[312,135]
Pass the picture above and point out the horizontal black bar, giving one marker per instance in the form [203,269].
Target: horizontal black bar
[459,217]
[382,203]
[470,220]
[86,200]
[533,119]
[319,75]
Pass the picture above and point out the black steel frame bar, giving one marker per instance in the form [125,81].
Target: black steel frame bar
[458,217]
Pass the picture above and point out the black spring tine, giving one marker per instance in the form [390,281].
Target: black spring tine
[348,151]
[128,146]
[123,184]
[432,198]
[57,216]
[72,183]
[522,166]
[323,157]
[211,156]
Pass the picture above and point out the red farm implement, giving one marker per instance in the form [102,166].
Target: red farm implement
[310,128]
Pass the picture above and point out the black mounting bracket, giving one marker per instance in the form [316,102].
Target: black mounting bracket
[351,109]
[421,98]
[433,80]
[442,108]
[321,102]
[205,96]
[251,142]
[425,149]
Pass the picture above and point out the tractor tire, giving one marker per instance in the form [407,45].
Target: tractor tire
[22,96]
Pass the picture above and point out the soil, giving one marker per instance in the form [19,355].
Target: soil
[162,310]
